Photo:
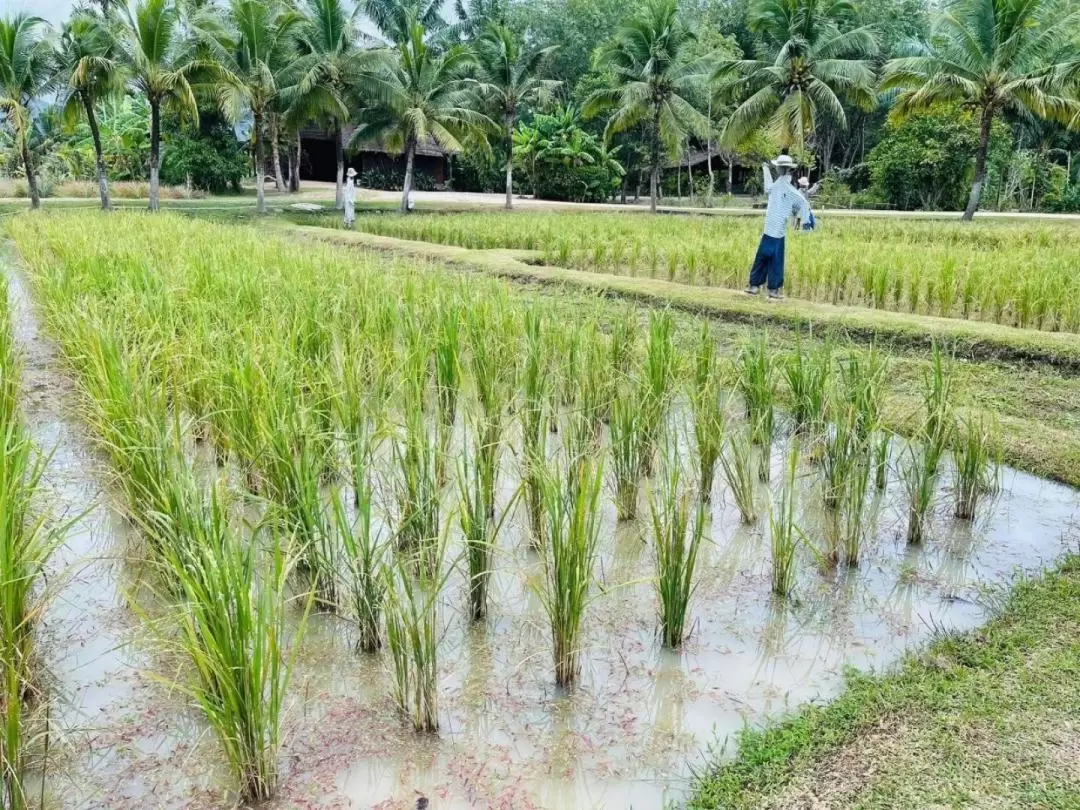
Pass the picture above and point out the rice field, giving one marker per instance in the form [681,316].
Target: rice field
[398,531]
[1018,274]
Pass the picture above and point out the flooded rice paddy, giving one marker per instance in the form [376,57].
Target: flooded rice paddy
[124,736]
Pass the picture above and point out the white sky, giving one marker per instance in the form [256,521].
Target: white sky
[55,11]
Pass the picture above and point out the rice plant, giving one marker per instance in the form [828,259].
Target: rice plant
[656,383]
[851,518]
[862,378]
[447,379]
[808,377]
[232,629]
[676,541]
[412,637]
[708,412]
[757,383]
[480,531]
[27,541]
[571,539]
[740,474]
[919,474]
[784,536]
[626,445]
[533,416]
[364,554]
[416,491]
[975,464]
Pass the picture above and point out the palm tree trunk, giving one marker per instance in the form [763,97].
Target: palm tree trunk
[980,164]
[155,154]
[410,154]
[275,153]
[294,180]
[260,165]
[95,133]
[509,160]
[339,150]
[654,167]
[730,174]
[31,178]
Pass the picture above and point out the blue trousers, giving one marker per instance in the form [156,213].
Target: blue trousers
[768,263]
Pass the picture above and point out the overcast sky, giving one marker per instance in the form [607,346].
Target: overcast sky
[52,10]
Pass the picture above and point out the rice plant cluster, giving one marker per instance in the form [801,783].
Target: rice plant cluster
[28,538]
[1001,272]
[293,427]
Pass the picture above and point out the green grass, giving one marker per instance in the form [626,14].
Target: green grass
[984,719]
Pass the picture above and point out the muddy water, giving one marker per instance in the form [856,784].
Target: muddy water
[628,736]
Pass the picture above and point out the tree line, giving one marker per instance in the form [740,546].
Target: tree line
[651,82]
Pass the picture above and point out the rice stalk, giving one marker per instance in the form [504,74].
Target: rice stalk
[784,535]
[675,544]
[708,413]
[741,476]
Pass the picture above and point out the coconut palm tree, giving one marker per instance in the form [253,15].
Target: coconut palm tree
[160,63]
[394,18]
[992,56]
[263,31]
[653,75]
[814,68]
[25,65]
[88,72]
[507,78]
[423,93]
[329,66]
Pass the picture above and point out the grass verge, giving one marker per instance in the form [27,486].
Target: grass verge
[982,719]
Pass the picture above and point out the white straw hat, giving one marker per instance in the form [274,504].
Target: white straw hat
[351,172]
[804,181]
[784,162]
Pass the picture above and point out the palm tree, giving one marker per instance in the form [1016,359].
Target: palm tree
[815,67]
[25,59]
[422,94]
[263,47]
[992,56]
[160,63]
[652,75]
[329,66]
[89,72]
[394,18]
[507,78]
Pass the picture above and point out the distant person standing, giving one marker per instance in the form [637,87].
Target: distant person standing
[784,201]
[808,191]
[350,197]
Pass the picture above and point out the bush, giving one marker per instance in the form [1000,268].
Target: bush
[563,161]
[1065,200]
[477,170]
[208,158]
[384,178]
[926,161]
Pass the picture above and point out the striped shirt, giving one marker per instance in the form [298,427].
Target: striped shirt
[784,201]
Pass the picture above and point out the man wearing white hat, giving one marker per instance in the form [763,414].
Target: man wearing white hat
[784,202]
[350,197]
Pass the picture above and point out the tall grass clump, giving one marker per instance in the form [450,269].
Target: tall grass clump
[919,473]
[232,629]
[676,541]
[757,383]
[862,377]
[412,637]
[708,412]
[784,535]
[975,457]
[737,463]
[656,383]
[571,539]
[852,514]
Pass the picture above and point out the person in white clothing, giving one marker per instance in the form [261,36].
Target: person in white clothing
[808,191]
[350,197]
[784,201]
